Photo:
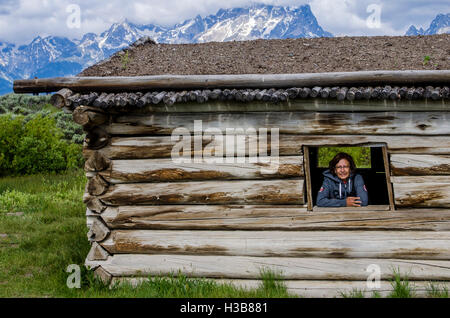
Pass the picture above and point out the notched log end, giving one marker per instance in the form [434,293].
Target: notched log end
[98,231]
[97,253]
[97,162]
[97,185]
[59,99]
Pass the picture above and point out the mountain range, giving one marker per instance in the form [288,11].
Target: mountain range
[53,56]
[440,25]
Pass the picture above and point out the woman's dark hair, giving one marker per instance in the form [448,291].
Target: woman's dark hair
[339,157]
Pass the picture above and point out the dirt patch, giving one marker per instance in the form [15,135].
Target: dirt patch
[340,54]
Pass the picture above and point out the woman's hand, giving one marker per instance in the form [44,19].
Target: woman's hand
[353,201]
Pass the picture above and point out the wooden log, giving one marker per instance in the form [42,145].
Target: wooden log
[293,92]
[97,253]
[351,94]
[393,94]
[59,99]
[428,191]
[325,92]
[103,275]
[288,145]
[403,91]
[419,165]
[96,138]
[159,97]
[315,91]
[288,191]
[273,218]
[324,244]
[97,185]
[436,93]
[305,92]
[177,82]
[98,231]
[108,101]
[97,162]
[342,93]
[376,93]
[428,90]
[89,117]
[378,123]
[359,93]
[164,170]
[247,267]
[93,203]
[385,92]
[367,93]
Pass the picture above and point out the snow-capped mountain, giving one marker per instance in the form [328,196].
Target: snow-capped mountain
[440,25]
[56,56]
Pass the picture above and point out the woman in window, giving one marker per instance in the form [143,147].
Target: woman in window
[341,185]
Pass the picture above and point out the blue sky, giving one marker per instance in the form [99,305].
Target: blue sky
[23,20]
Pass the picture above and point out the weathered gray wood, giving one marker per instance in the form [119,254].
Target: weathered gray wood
[287,191]
[327,244]
[96,138]
[59,99]
[272,217]
[405,164]
[307,167]
[97,162]
[103,275]
[222,104]
[97,253]
[420,179]
[289,145]
[89,117]
[176,82]
[93,203]
[97,185]
[162,170]
[426,191]
[98,231]
[379,123]
[388,178]
[247,267]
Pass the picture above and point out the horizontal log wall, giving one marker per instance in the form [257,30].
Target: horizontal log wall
[289,145]
[151,215]
[247,267]
[271,218]
[161,170]
[310,123]
[310,104]
[335,244]
[210,192]
[419,165]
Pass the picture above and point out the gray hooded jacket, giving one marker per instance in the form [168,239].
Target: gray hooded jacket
[334,191]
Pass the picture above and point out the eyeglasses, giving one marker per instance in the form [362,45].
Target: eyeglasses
[342,167]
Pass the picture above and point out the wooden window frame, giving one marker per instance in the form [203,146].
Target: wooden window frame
[307,173]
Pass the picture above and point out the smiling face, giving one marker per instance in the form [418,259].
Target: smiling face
[342,169]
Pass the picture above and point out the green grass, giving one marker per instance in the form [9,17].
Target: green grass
[361,155]
[43,231]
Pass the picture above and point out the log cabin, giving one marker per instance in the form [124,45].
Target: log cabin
[216,176]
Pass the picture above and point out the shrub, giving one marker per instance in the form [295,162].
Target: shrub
[29,146]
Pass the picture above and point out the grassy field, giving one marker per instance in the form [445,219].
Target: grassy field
[43,231]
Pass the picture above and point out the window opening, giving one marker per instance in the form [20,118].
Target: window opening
[371,165]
